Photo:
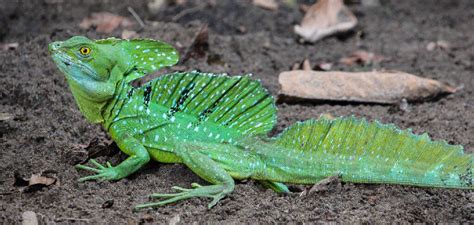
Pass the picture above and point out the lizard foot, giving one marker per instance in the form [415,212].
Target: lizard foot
[103,172]
[216,192]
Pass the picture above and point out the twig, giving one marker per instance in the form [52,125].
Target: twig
[199,45]
[71,219]
[187,11]
[135,15]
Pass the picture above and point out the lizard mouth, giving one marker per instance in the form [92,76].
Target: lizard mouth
[61,59]
[67,64]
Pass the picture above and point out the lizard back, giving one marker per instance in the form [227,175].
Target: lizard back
[192,106]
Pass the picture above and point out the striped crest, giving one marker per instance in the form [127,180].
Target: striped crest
[236,102]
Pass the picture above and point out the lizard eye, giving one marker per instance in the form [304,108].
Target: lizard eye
[85,51]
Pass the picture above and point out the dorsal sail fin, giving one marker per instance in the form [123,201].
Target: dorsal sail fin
[236,102]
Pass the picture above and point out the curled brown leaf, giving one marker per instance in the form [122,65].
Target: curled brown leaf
[325,18]
[35,182]
[9,46]
[266,4]
[361,57]
[105,22]
[375,87]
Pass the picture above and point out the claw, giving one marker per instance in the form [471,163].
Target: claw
[180,188]
[103,173]
[216,192]
[97,164]
[93,177]
[215,200]
[195,185]
[158,195]
[87,168]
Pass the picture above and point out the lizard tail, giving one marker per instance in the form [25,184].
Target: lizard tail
[366,152]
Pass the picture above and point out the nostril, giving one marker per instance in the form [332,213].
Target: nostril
[54,46]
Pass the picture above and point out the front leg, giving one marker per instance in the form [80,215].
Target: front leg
[138,156]
[205,168]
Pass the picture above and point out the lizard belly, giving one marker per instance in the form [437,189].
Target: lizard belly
[163,156]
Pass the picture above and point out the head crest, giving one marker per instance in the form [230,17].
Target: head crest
[147,56]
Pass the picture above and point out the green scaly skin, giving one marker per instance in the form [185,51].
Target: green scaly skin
[217,126]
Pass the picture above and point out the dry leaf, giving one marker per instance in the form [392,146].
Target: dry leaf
[146,218]
[361,57]
[431,46]
[324,18]
[29,218]
[440,44]
[19,180]
[100,146]
[105,22]
[175,220]
[155,5]
[403,105]
[376,87]
[306,65]
[38,179]
[444,45]
[78,154]
[242,29]
[324,66]
[129,34]
[6,116]
[330,183]
[34,183]
[81,153]
[296,66]
[266,4]
[9,46]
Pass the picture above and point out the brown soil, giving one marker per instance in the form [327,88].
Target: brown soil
[48,134]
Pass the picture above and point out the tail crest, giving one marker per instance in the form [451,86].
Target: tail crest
[371,152]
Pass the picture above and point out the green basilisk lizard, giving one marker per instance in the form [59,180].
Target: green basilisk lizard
[217,126]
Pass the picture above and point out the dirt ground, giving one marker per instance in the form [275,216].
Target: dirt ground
[47,133]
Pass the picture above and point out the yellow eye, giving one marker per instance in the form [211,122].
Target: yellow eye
[85,50]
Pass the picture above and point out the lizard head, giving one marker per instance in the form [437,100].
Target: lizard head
[93,68]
